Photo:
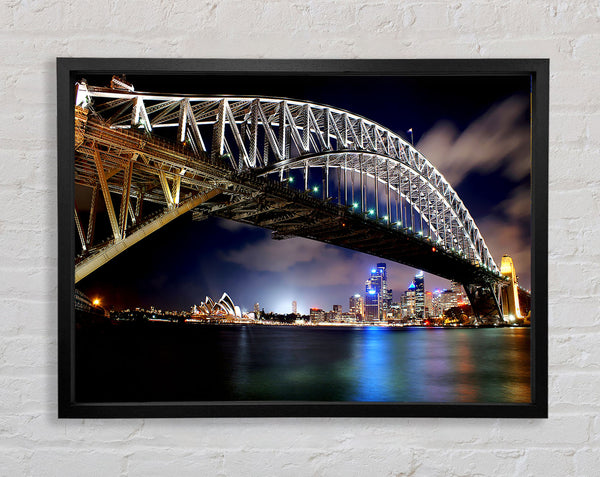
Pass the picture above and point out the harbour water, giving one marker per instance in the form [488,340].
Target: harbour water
[170,362]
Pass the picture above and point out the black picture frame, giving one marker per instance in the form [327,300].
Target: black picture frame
[70,70]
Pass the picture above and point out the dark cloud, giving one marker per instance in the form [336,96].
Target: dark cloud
[518,204]
[496,140]
[280,255]
[301,262]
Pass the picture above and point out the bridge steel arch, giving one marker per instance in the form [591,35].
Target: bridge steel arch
[361,166]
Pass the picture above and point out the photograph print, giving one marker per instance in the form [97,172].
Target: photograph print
[292,238]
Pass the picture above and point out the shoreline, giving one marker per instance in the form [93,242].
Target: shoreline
[317,325]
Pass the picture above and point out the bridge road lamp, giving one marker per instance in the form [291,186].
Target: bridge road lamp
[412,139]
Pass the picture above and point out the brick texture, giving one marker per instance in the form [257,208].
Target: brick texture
[33,442]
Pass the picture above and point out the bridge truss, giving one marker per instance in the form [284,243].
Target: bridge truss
[298,168]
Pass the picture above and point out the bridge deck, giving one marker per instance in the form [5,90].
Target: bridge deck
[252,198]
[291,213]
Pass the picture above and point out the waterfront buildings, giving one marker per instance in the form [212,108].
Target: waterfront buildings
[461,296]
[408,302]
[357,305]
[337,313]
[443,300]
[317,315]
[415,302]
[378,298]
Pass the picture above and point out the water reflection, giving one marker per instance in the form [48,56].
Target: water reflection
[466,388]
[372,360]
[384,365]
[278,363]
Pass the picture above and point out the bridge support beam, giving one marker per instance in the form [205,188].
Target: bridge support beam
[88,265]
[484,301]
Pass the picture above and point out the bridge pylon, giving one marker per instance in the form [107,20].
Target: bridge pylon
[510,292]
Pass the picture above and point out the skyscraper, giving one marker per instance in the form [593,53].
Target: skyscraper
[408,301]
[378,298]
[420,295]
[429,304]
[357,306]
[294,307]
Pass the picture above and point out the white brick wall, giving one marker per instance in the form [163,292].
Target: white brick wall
[34,442]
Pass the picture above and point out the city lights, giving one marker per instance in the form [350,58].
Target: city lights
[375,306]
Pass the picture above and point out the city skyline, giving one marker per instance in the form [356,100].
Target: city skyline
[475,131]
[259,307]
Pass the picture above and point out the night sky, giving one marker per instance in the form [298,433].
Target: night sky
[475,131]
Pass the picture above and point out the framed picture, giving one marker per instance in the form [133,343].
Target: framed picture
[302,237]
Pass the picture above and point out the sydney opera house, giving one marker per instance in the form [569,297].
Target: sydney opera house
[223,309]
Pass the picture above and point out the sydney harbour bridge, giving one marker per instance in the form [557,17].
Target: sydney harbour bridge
[297,168]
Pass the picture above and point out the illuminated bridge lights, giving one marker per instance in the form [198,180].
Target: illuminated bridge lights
[207,124]
[218,176]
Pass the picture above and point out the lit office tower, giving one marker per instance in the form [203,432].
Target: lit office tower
[461,297]
[408,301]
[294,308]
[337,312]
[420,295]
[357,305]
[256,309]
[378,298]
[429,304]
